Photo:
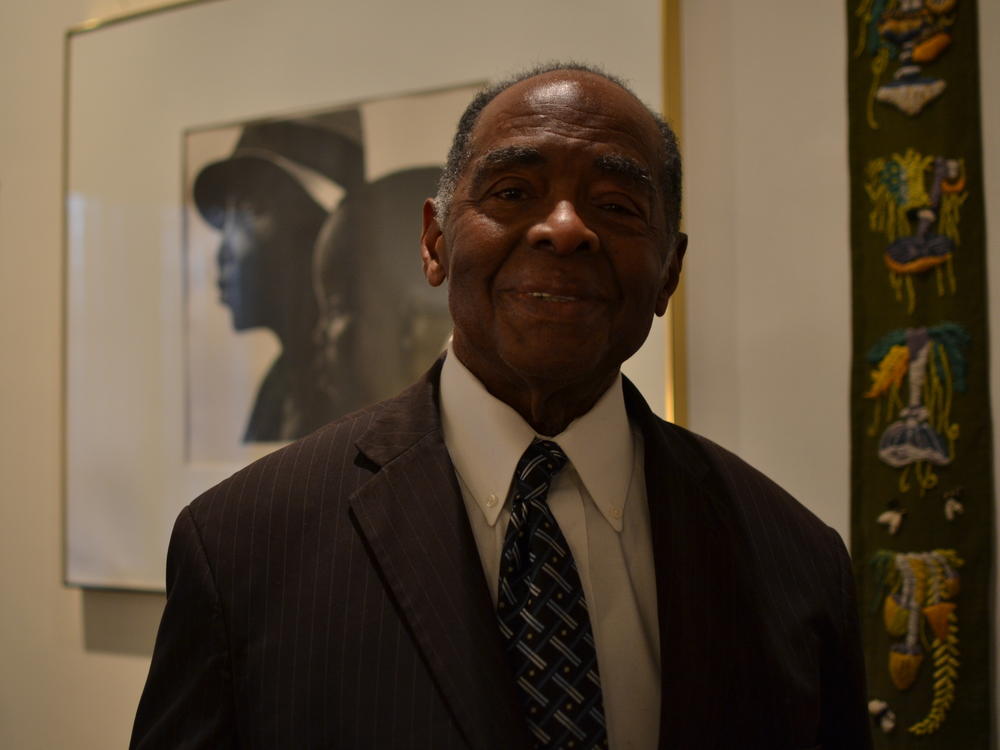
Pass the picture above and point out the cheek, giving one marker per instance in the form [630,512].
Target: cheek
[475,262]
[241,246]
[641,281]
[469,303]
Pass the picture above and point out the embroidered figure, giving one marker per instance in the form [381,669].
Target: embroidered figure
[952,503]
[884,715]
[917,589]
[912,32]
[906,214]
[923,436]
[893,517]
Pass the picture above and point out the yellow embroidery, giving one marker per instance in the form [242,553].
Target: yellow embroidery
[879,63]
[891,371]
[917,434]
[951,207]
[919,586]
[895,186]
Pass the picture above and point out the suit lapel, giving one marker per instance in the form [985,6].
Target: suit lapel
[695,556]
[417,533]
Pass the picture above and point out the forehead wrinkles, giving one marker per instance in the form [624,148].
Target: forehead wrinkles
[555,124]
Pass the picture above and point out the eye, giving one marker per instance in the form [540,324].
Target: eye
[510,194]
[618,196]
[618,208]
[619,205]
[510,188]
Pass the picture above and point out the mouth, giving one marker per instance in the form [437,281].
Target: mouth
[556,306]
[545,296]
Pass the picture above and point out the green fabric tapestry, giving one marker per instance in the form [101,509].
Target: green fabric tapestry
[921,466]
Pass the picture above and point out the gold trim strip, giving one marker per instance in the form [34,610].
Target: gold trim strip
[675,367]
[100,23]
[64,328]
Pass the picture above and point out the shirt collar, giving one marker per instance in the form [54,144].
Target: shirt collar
[486,438]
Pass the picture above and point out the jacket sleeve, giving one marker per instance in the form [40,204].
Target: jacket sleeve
[187,702]
[846,725]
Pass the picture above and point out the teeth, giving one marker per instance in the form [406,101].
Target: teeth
[551,297]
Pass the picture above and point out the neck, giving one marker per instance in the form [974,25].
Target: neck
[295,326]
[547,404]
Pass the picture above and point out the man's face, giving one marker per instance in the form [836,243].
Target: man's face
[555,244]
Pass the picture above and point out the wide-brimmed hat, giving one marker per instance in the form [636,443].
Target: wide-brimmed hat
[321,162]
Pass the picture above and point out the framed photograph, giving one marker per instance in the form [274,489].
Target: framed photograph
[244,183]
[264,283]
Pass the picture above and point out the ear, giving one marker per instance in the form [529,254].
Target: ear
[432,248]
[673,273]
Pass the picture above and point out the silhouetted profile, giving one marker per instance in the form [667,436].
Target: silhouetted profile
[381,324]
[267,201]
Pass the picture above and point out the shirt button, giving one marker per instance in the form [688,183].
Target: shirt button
[616,512]
[491,501]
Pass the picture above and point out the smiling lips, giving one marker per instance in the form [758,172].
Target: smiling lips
[557,292]
[553,297]
[558,305]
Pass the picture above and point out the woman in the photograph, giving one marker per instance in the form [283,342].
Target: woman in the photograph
[264,200]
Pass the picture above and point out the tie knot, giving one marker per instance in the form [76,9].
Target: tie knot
[542,460]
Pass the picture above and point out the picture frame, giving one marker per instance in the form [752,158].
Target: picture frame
[130,462]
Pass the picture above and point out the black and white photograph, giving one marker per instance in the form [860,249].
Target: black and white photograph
[304,295]
[260,272]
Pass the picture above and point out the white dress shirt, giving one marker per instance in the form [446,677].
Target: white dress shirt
[599,501]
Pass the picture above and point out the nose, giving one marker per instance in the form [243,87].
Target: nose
[563,231]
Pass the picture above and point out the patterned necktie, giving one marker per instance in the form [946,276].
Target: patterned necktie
[543,614]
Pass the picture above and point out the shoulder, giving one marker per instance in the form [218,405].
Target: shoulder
[778,545]
[776,523]
[327,466]
[301,462]
[319,471]
[751,488]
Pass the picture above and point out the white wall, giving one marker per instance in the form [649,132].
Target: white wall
[761,79]
[767,213]
[72,663]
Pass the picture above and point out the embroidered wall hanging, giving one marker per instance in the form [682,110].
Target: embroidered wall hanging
[921,455]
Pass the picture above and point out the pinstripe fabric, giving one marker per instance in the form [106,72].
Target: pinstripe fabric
[330,596]
[759,640]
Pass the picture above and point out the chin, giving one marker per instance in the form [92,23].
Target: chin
[244,322]
[566,364]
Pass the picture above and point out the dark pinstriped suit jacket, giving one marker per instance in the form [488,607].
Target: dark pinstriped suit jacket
[330,595]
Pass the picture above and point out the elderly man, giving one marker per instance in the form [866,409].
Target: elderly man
[515,552]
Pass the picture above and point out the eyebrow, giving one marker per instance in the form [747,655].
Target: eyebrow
[505,157]
[617,165]
[510,157]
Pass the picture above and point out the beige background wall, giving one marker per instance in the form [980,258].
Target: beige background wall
[73,662]
[768,316]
